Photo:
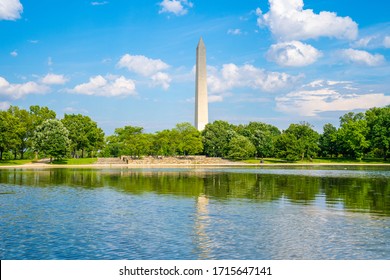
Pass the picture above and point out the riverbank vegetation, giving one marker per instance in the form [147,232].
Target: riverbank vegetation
[38,133]
[75,161]
[7,162]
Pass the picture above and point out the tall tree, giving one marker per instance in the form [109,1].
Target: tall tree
[262,136]
[298,141]
[165,143]
[288,147]
[112,147]
[189,139]
[51,139]
[240,147]
[96,140]
[84,134]
[216,138]
[352,135]
[328,141]
[41,114]
[8,136]
[23,129]
[131,141]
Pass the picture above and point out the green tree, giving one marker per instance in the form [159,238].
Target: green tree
[51,139]
[8,132]
[189,139]
[352,135]
[40,114]
[288,147]
[240,147]
[378,123]
[216,138]
[112,147]
[84,134]
[23,129]
[165,143]
[328,141]
[130,140]
[143,144]
[297,142]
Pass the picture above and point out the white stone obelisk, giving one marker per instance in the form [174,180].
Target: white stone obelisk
[201,101]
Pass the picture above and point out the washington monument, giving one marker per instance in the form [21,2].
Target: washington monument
[201,102]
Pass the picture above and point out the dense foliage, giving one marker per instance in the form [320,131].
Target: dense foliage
[51,139]
[184,139]
[17,127]
[38,131]
[84,135]
[297,142]
[25,133]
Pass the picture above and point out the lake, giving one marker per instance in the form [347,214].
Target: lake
[196,213]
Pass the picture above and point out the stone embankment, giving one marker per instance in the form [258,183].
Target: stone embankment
[109,161]
[164,160]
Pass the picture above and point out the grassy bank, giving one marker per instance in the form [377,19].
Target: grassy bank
[76,161]
[14,162]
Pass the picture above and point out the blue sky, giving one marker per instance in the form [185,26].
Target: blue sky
[127,62]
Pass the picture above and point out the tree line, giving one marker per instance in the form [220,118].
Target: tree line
[37,131]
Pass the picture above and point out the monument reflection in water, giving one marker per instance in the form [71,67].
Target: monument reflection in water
[195,214]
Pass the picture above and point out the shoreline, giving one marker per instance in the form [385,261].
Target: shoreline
[183,165]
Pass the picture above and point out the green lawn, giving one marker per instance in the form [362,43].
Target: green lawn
[71,161]
[346,160]
[320,160]
[14,161]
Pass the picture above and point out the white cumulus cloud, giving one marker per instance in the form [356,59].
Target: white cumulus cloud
[147,67]
[106,86]
[293,53]
[142,65]
[54,79]
[362,57]
[17,91]
[177,7]
[10,9]
[288,20]
[246,76]
[161,79]
[324,96]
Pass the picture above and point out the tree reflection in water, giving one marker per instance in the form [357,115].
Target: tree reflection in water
[355,192]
